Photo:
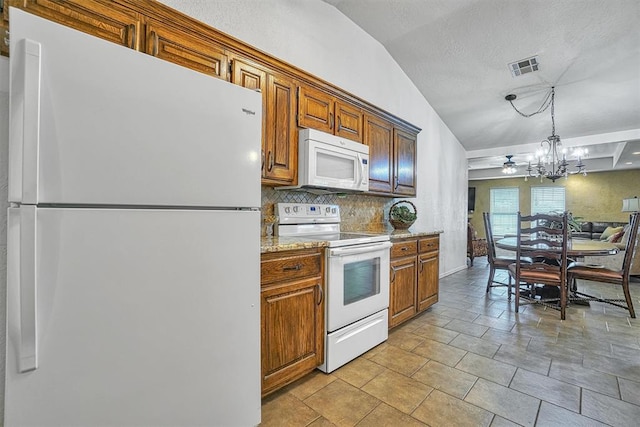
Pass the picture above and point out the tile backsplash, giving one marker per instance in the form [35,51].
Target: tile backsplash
[358,212]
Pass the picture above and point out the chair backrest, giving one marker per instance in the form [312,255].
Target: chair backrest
[632,244]
[544,239]
[491,248]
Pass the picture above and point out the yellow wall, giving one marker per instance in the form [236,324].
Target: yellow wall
[595,197]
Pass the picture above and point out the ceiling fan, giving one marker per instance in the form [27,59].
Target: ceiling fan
[509,167]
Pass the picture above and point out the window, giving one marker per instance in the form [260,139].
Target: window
[504,208]
[547,199]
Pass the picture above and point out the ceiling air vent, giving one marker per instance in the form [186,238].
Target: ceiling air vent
[524,66]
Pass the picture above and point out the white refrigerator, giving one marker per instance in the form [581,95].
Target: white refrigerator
[133,238]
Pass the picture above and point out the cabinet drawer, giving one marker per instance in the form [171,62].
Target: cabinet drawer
[404,248]
[292,266]
[430,244]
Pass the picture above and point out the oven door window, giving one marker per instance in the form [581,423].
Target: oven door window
[361,280]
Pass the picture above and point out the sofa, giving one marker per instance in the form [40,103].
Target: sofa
[594,230]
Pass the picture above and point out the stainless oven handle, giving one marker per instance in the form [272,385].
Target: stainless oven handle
[359,249]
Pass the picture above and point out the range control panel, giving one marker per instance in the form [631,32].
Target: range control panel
[307,213]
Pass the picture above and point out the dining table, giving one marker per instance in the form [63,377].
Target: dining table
[576,248]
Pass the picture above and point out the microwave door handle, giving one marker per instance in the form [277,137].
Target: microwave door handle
[360,170]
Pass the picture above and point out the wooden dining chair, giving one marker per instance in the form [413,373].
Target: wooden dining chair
[542,239]
[495,262]
[583,271]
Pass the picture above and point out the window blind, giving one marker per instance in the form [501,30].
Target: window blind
[504,206]
[547,199]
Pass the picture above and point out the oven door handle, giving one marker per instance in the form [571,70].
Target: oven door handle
[360,249]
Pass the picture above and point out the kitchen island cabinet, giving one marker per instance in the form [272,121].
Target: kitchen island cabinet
[292,316]
[413,277]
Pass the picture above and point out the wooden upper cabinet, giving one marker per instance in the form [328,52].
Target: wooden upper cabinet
[173,45]
[281,137]
[279,132]
[392,157]
[320,110]
[378,135]
[104,19]
[315,109]
[404,146]
[246,75]
[349,121]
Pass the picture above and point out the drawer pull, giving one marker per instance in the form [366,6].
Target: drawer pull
[296,267]
[404,248]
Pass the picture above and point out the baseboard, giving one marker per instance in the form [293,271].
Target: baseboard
[455,270]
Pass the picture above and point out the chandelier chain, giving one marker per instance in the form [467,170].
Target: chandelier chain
[543,107]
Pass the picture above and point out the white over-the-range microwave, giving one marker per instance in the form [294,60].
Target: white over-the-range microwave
[331,164]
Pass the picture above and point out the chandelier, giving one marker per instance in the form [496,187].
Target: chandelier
[552,159]
[509,167]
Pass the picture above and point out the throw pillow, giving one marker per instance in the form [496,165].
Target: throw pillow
[616,238]
[609,231]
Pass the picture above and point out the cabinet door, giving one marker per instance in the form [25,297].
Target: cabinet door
[427,280]
[173,45]
[251,77]
[315,109]
[292,336]
[281,134]
[378,135]
[349,121]
[405,163]
[402,295]
[102,19]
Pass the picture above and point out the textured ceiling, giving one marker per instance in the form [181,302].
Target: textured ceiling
[456,52]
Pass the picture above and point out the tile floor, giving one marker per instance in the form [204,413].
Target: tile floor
[471,361]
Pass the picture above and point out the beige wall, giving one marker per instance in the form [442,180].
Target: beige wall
[595,197]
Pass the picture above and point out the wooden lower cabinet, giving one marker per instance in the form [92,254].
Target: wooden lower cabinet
[414,277]
[292,316]
[402,292]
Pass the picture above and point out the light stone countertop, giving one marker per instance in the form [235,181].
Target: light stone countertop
[278,244]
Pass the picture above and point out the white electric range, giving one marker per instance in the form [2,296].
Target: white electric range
[356,279]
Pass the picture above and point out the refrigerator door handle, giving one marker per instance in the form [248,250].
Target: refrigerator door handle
[26,86]
[23,271]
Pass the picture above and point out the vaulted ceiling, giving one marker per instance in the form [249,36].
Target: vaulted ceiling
[457,54]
